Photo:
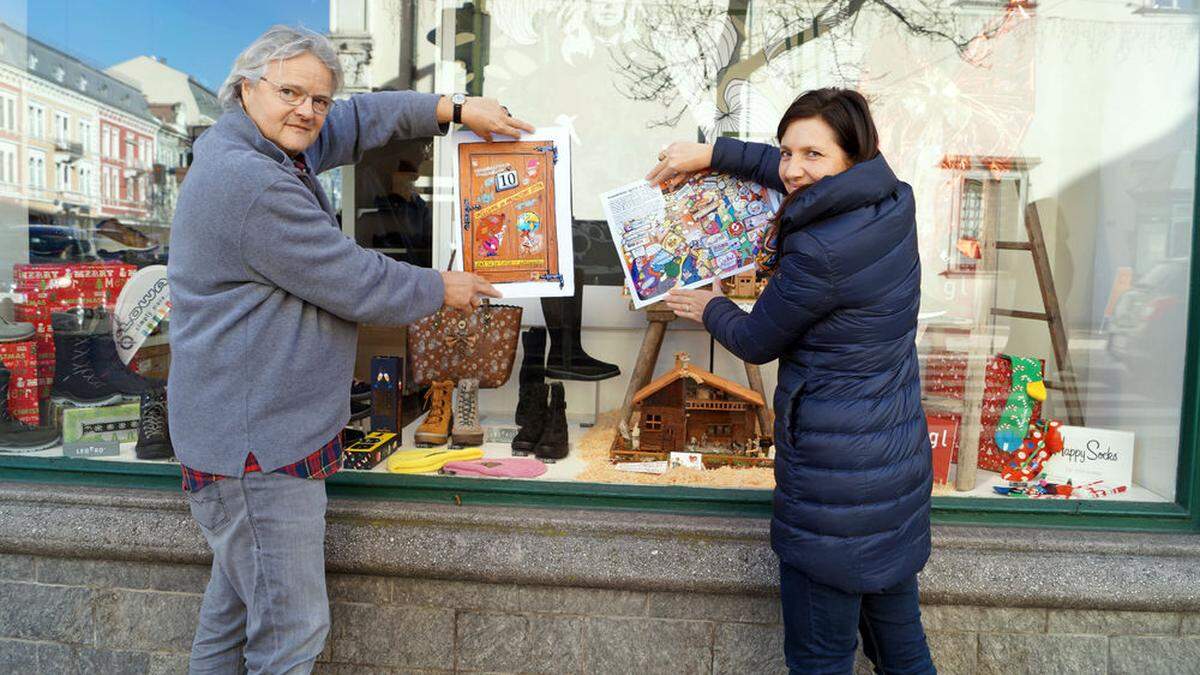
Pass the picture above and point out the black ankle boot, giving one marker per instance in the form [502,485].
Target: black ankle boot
[75,378]
[15,435]
[554,443]
[567,360]
[154,434]
[531,416]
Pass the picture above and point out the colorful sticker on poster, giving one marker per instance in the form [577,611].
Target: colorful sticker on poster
[513,216]
[707,228]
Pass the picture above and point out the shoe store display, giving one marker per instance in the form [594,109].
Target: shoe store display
[567,360]
[532,413]
[435,430]
[554,443]
[467,430]
[76,381]
[17,436]
[154,435]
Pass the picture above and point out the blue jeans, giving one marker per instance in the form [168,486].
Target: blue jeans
[822,623]
[265,609]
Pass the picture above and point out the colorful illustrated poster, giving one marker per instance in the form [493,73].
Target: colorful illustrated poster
[514,225]
[708,228]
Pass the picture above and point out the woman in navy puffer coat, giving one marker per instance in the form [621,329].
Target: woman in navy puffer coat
[853,466]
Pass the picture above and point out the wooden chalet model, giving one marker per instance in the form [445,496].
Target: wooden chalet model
[692,410]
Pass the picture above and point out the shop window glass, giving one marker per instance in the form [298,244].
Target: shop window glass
[1030,205]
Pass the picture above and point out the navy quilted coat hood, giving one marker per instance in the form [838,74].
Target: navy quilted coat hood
[853,467]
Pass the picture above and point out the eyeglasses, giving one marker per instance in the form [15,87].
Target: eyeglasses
[295,97]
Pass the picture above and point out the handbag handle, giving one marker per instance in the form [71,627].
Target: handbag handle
[486,305]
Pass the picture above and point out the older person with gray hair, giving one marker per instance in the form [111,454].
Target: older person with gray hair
[267,295]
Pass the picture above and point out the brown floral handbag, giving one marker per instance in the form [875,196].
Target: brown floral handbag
[453,344]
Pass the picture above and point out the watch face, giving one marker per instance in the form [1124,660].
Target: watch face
[458,99]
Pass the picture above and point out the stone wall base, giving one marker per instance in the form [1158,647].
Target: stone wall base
[71,615]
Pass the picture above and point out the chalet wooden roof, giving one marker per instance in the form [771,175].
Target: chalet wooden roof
[684,369]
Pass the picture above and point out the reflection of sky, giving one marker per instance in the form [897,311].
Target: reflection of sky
[200,38]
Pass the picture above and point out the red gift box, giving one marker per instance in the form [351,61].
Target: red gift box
[40,276]
[20,358]
[944,374]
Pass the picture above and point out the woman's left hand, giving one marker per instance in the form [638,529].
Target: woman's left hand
[690,304]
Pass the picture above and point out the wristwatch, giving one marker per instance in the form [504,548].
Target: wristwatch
[458,100]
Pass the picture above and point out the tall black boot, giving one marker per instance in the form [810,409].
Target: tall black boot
[531,408]
[15,435]
[533,358]
[75,378]
[567,360]
[533,371]
[154,434]
[554,443]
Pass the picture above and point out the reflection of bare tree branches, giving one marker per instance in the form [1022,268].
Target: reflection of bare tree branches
[689,56]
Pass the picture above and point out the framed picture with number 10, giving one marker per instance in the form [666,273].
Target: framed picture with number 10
[513,221]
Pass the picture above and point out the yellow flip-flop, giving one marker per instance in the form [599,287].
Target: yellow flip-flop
[428,461]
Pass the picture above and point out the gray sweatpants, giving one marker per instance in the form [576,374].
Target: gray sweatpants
[265,600]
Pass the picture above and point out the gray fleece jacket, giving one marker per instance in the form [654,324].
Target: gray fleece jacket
[267,292]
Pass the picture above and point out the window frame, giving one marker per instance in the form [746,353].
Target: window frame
[40,117]
[8,112]
[32,157]
[10,175]
[62,124]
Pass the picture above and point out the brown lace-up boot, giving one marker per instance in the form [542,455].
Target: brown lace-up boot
[467,431]
[435,430]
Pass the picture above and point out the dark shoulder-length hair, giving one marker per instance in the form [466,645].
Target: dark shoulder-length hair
[846,112]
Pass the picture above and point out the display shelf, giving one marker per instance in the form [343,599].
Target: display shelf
[986,480]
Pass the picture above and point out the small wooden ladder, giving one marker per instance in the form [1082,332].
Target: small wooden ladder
[1051,313]
[980,349]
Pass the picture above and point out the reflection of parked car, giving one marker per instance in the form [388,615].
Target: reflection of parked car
[1151,316]
[59,243]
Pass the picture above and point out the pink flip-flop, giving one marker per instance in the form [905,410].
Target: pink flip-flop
[500,467]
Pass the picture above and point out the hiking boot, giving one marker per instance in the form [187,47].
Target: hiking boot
[566,359]
[76,381]
[467,431]
[15,435]
[12,330]
[435,430]
[154,435]
[554,443]
[532,409]
[108,365]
